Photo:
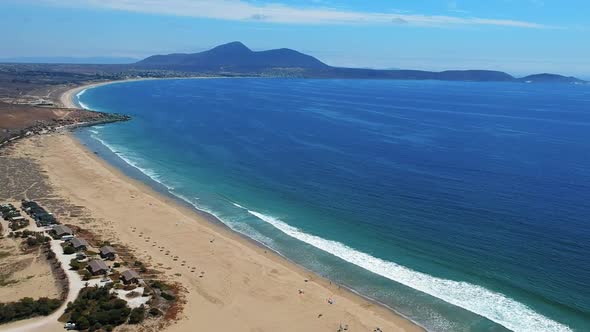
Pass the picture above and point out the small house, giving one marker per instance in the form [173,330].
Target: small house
[79,244]
[107,252]
[129,277]
[97,267]
[61,230]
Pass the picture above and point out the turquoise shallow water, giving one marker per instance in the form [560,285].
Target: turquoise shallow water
[463,206]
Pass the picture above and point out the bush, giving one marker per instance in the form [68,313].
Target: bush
[26,308]
[96,308]
[159,285]
[137,315]
[155,312]
[31,242]
[116,264]
[168,296]
[68,250]
[75,265]
[82,323]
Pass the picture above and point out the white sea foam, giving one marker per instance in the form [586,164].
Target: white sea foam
[492,305]
[238,205]
[78,95]
[134,162]
[84,106]
[235,226]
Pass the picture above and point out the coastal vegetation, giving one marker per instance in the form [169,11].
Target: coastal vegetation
[137,315]
[97,308]
[27,308]
[68,250]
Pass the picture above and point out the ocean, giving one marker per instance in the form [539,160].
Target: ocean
[463,206]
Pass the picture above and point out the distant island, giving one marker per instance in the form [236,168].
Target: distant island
[237,58]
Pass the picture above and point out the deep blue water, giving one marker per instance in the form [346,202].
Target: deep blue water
[464,206]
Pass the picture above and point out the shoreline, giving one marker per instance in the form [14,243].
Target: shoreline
[67,97]
[207,220]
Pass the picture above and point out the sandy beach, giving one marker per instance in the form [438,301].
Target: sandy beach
[66,99]
[237,286]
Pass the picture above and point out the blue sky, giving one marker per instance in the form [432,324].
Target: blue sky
[517,36]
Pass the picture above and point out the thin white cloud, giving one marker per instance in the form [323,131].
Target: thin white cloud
[239,10]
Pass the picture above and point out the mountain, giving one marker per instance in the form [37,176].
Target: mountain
[233,57]
[449,75]
[550,78]
[71,60]
[236,58]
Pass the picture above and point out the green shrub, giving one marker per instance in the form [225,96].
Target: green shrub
[168,296]
[31,241]
[154,312]
[26,308]
[82,323]
[159,285]
[96,308]
[75,265]
[96,327]
[137,315]
[68,250]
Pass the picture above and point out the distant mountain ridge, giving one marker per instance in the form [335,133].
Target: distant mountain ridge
[235,57]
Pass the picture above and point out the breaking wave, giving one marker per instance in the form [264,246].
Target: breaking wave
[492,305]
